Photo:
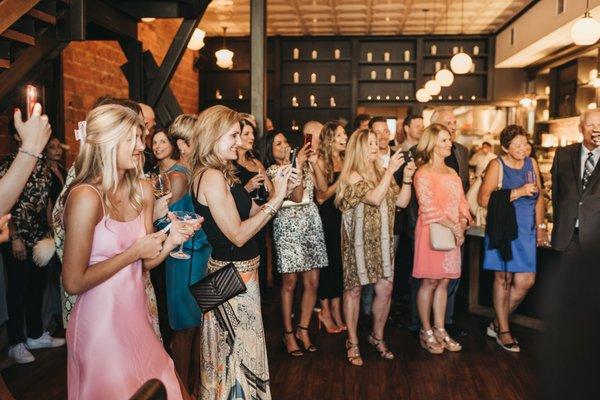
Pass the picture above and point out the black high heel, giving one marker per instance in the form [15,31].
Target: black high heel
[311,348]
[291,353]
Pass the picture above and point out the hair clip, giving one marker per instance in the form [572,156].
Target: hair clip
[80,132]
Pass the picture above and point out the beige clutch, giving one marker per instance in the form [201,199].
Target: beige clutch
[442,238]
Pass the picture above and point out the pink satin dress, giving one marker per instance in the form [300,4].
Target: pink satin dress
[112,347]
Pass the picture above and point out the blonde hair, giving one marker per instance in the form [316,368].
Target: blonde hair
[182,126]
[212,124]
[357,160]
[427,143]
[326,140]
[106,127]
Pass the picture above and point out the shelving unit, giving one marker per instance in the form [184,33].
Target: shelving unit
[353,85]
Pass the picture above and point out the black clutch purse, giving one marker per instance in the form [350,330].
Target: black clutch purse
[217,287]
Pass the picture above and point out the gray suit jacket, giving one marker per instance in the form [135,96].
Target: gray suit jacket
[462,156]
[570,202]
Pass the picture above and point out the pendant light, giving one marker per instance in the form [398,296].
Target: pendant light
[423,96]
[433,87]
[197,40]
[586,30]
[461,62]
[444,76]
[224,56]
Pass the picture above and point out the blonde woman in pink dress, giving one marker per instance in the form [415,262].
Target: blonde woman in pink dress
[109,241]
[441,200]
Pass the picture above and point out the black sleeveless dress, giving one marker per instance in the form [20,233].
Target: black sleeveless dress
[331,283]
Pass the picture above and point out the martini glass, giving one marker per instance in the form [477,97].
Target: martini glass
[186,217]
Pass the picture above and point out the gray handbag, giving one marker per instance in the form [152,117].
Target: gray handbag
[441,237]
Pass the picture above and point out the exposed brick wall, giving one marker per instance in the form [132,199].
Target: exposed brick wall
[157,36]
[92,69]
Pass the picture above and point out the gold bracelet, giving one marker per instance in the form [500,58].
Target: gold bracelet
[268,209]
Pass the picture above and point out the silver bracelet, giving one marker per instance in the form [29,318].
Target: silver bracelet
[38,156]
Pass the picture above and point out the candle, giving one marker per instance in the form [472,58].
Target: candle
[240,95]
[455,50]
[476,50]
[313,77]
[369,56]
[294,102]
[386,56]
[473,67]
[406,55]
[332,102]
[388,73]
[373,74]
[433,49]
[296,77]
[332,79]
[406,74]
[296,53]
[218,95]
[336,53]
[438,66]
[313,54]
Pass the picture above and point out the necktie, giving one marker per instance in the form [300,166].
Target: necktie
[588,169]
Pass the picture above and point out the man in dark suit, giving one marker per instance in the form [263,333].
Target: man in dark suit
[459,161]
[576,189]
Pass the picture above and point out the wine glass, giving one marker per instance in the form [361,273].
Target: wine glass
[256,195]
[187,217]
[161,184]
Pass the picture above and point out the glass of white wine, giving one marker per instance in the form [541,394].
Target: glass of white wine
[186,217]
[161,184]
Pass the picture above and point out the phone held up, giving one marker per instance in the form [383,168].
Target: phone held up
[27,99]
[293,157]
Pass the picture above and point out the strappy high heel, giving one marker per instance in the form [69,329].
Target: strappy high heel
[291,353]
[328,328]
[388,355]
[430,343]
[355,359]
[513,346]
[442,336]
[310,348]
[492,330]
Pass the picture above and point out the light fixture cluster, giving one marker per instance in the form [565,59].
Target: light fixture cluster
[586,31]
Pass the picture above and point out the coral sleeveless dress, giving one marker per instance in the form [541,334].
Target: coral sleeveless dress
[112,347]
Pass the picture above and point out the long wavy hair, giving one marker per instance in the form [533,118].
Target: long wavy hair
[357,160]
[427,143]
[212,124]
[326,141]
[181,127]
[107,126]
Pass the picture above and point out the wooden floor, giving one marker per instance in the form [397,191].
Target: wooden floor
[481,371]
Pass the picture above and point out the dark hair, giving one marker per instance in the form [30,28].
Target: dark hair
[172,140]
[486,144]
[374,120]
[509,133]
[244,123]
[359,119]
[409,119]
[268,158]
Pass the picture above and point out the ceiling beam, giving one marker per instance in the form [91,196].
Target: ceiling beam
[12,10]
[294,4]
[408,6]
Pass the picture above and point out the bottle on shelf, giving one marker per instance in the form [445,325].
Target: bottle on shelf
[369,56]
[388,73]
[296,53]
[433,50]
[406,55]
[313,78]
[438,66]
[294,101]
[373,74]
[313,103]
[406,74]
[314,54]
[455,50]
[386,56]
[332,102]
[475,50]
[332,79]
[296,77]
[336,54]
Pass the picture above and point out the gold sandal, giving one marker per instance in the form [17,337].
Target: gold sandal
[447,342]
[353,359]
[430,343]
[388,355]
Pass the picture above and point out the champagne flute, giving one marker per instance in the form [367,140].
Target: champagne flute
[187,217]
[530,178]
[161,184]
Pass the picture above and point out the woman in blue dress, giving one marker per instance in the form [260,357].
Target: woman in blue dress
[172,151]
[512,279]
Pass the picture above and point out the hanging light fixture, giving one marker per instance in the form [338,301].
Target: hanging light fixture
[197,40]
[224,56]
[433,87]
[444,77]
[461,62]
[148,19]
[586,30]
[423,95]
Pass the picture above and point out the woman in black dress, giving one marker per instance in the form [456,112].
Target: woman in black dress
[252,175]
[331,158]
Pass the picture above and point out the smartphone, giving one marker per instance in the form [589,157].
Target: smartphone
[31,96]
[408,157]
[307,139]
[293,157]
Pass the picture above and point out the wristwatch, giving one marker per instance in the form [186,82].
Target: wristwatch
[542,226]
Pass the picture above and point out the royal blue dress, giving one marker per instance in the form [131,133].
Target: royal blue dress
[524,246]
[183,311]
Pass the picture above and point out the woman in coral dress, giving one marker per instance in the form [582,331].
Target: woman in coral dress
[112,347]
[441,200]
